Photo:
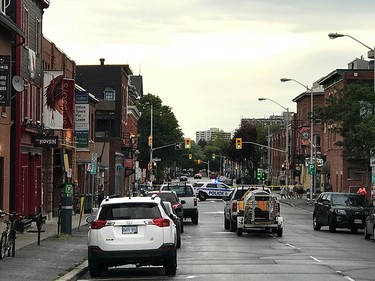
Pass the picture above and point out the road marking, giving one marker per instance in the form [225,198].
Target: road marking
[315,259]
[294,247]
[345,276]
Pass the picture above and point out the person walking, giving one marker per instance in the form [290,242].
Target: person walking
[362,191]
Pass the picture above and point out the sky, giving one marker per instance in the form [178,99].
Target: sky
[210,60]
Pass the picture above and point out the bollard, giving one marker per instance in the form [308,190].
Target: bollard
[66,208]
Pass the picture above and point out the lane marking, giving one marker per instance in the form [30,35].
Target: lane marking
[315,259]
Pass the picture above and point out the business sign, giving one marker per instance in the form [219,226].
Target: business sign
[52,100]
[82,119]
[305,136]
[46,141]
[68,93]
[4,80]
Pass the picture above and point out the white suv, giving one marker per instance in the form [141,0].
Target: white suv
[131,230]
[187,195]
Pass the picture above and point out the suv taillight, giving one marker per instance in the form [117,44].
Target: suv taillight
[176,205]
[161,222]
[195,202]
[234,206]
[98,224]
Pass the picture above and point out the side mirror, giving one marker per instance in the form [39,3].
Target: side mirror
[90,219]
[183,202]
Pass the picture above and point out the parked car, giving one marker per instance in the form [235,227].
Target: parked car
[198,176]
[172,214]
[183,178]
[370,224]
[213,190]
[131,230]
[340,210]
[186,193]
[231,206]
[171,197]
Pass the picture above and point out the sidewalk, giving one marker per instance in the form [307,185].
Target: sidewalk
[301,203]
[56,255]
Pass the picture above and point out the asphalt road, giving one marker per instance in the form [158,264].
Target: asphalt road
[209,252]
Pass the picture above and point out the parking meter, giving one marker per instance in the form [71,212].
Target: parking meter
[66,208]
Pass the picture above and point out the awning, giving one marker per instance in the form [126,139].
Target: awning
[9,24]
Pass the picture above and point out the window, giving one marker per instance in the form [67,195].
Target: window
[109,95]
[25,25]
[129,211]
[38,28]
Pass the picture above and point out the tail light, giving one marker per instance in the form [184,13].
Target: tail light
[176,205]
[161,222]
[277,208]
[98,224]
[234,206]
[195,202]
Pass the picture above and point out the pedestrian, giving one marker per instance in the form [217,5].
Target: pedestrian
[362,191]
[283,192]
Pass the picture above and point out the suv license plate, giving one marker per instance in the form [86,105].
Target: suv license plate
[358,221]
[129,230]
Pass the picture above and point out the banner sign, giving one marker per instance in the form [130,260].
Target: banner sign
[4,80]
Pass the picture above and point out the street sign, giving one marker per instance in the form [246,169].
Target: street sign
[178,146]
[372,162]
[312,170]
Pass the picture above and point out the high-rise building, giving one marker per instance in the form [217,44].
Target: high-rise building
[211,134]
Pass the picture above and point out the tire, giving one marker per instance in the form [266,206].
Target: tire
[178,242]
[233,226]
[3,245]
[95,270]
[226,223]
[239,231]
[13,242]
[194,219]
[316,225]
[182,227]
[202,196]
[331,224]
[279,232]
[354,230]
[373,234]
[170,267]
[367,236]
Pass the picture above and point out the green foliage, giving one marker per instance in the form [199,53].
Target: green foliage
[165,131]
[351,112]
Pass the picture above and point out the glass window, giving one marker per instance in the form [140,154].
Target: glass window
[129,211]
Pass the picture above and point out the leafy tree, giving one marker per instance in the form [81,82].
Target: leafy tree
[351,110]
[166,131]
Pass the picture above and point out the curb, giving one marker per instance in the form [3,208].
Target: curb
[76,273]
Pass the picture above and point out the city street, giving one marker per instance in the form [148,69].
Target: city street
[209,252]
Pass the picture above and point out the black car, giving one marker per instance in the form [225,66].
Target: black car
[172,214]
[172,197]
[340,210]
[370,225]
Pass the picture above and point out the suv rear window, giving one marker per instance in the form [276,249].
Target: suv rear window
[181,190]
[239,193]
[127,211]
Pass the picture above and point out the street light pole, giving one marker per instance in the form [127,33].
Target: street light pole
[286,138]
[311,130]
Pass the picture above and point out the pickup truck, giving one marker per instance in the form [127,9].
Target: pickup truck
[231,205]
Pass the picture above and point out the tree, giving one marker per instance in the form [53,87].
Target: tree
[351,111]
[165,131]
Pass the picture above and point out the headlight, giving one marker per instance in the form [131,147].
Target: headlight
[340,212]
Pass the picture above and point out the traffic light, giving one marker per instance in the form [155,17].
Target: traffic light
[150,141]
[258,175]
[198,161]
[190,156]
[213,155]
[149,166]
[238,143]
[263,176]
[187,143]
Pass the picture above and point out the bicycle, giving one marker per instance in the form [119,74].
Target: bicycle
[8,237]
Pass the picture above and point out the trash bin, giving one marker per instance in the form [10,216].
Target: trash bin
[66,208]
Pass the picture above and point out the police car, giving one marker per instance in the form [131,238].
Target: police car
[212,190]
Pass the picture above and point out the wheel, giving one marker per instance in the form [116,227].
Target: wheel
[182,227]
[178,241]
[331,224]
[13,242]
[170,267]
[194,219]
[279,232]
[367,236]
[239,231]
[354,229]
[95,270]
[232,226]
[373,234]
[202,196]
[226,223]
[3,244]
[316,225]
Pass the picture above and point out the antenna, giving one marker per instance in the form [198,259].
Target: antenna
[17,83]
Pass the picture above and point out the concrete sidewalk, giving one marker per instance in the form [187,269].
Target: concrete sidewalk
[55,257]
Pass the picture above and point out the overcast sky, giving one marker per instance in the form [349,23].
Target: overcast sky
[210,60]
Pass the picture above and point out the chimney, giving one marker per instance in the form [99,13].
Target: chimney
[102,61]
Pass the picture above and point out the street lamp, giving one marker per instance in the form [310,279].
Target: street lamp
[286,136]
[311,129]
